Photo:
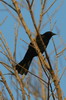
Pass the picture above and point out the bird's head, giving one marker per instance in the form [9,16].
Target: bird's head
[50,33]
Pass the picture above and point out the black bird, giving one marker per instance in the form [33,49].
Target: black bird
[31,52]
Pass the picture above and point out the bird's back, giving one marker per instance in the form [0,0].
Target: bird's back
[43,45]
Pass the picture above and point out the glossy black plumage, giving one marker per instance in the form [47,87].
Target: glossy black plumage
[31,52]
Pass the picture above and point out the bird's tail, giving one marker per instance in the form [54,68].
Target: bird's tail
[24,65]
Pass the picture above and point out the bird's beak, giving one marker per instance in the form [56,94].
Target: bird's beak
[54,34]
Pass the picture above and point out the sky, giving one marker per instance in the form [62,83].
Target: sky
[10,24]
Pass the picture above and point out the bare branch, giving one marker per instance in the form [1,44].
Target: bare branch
[7,87]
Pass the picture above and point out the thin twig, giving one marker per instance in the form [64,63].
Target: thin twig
[32,3]
[8,5]
[6,85]
[52,92]
[49,8]
[48,88]
[41,17]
